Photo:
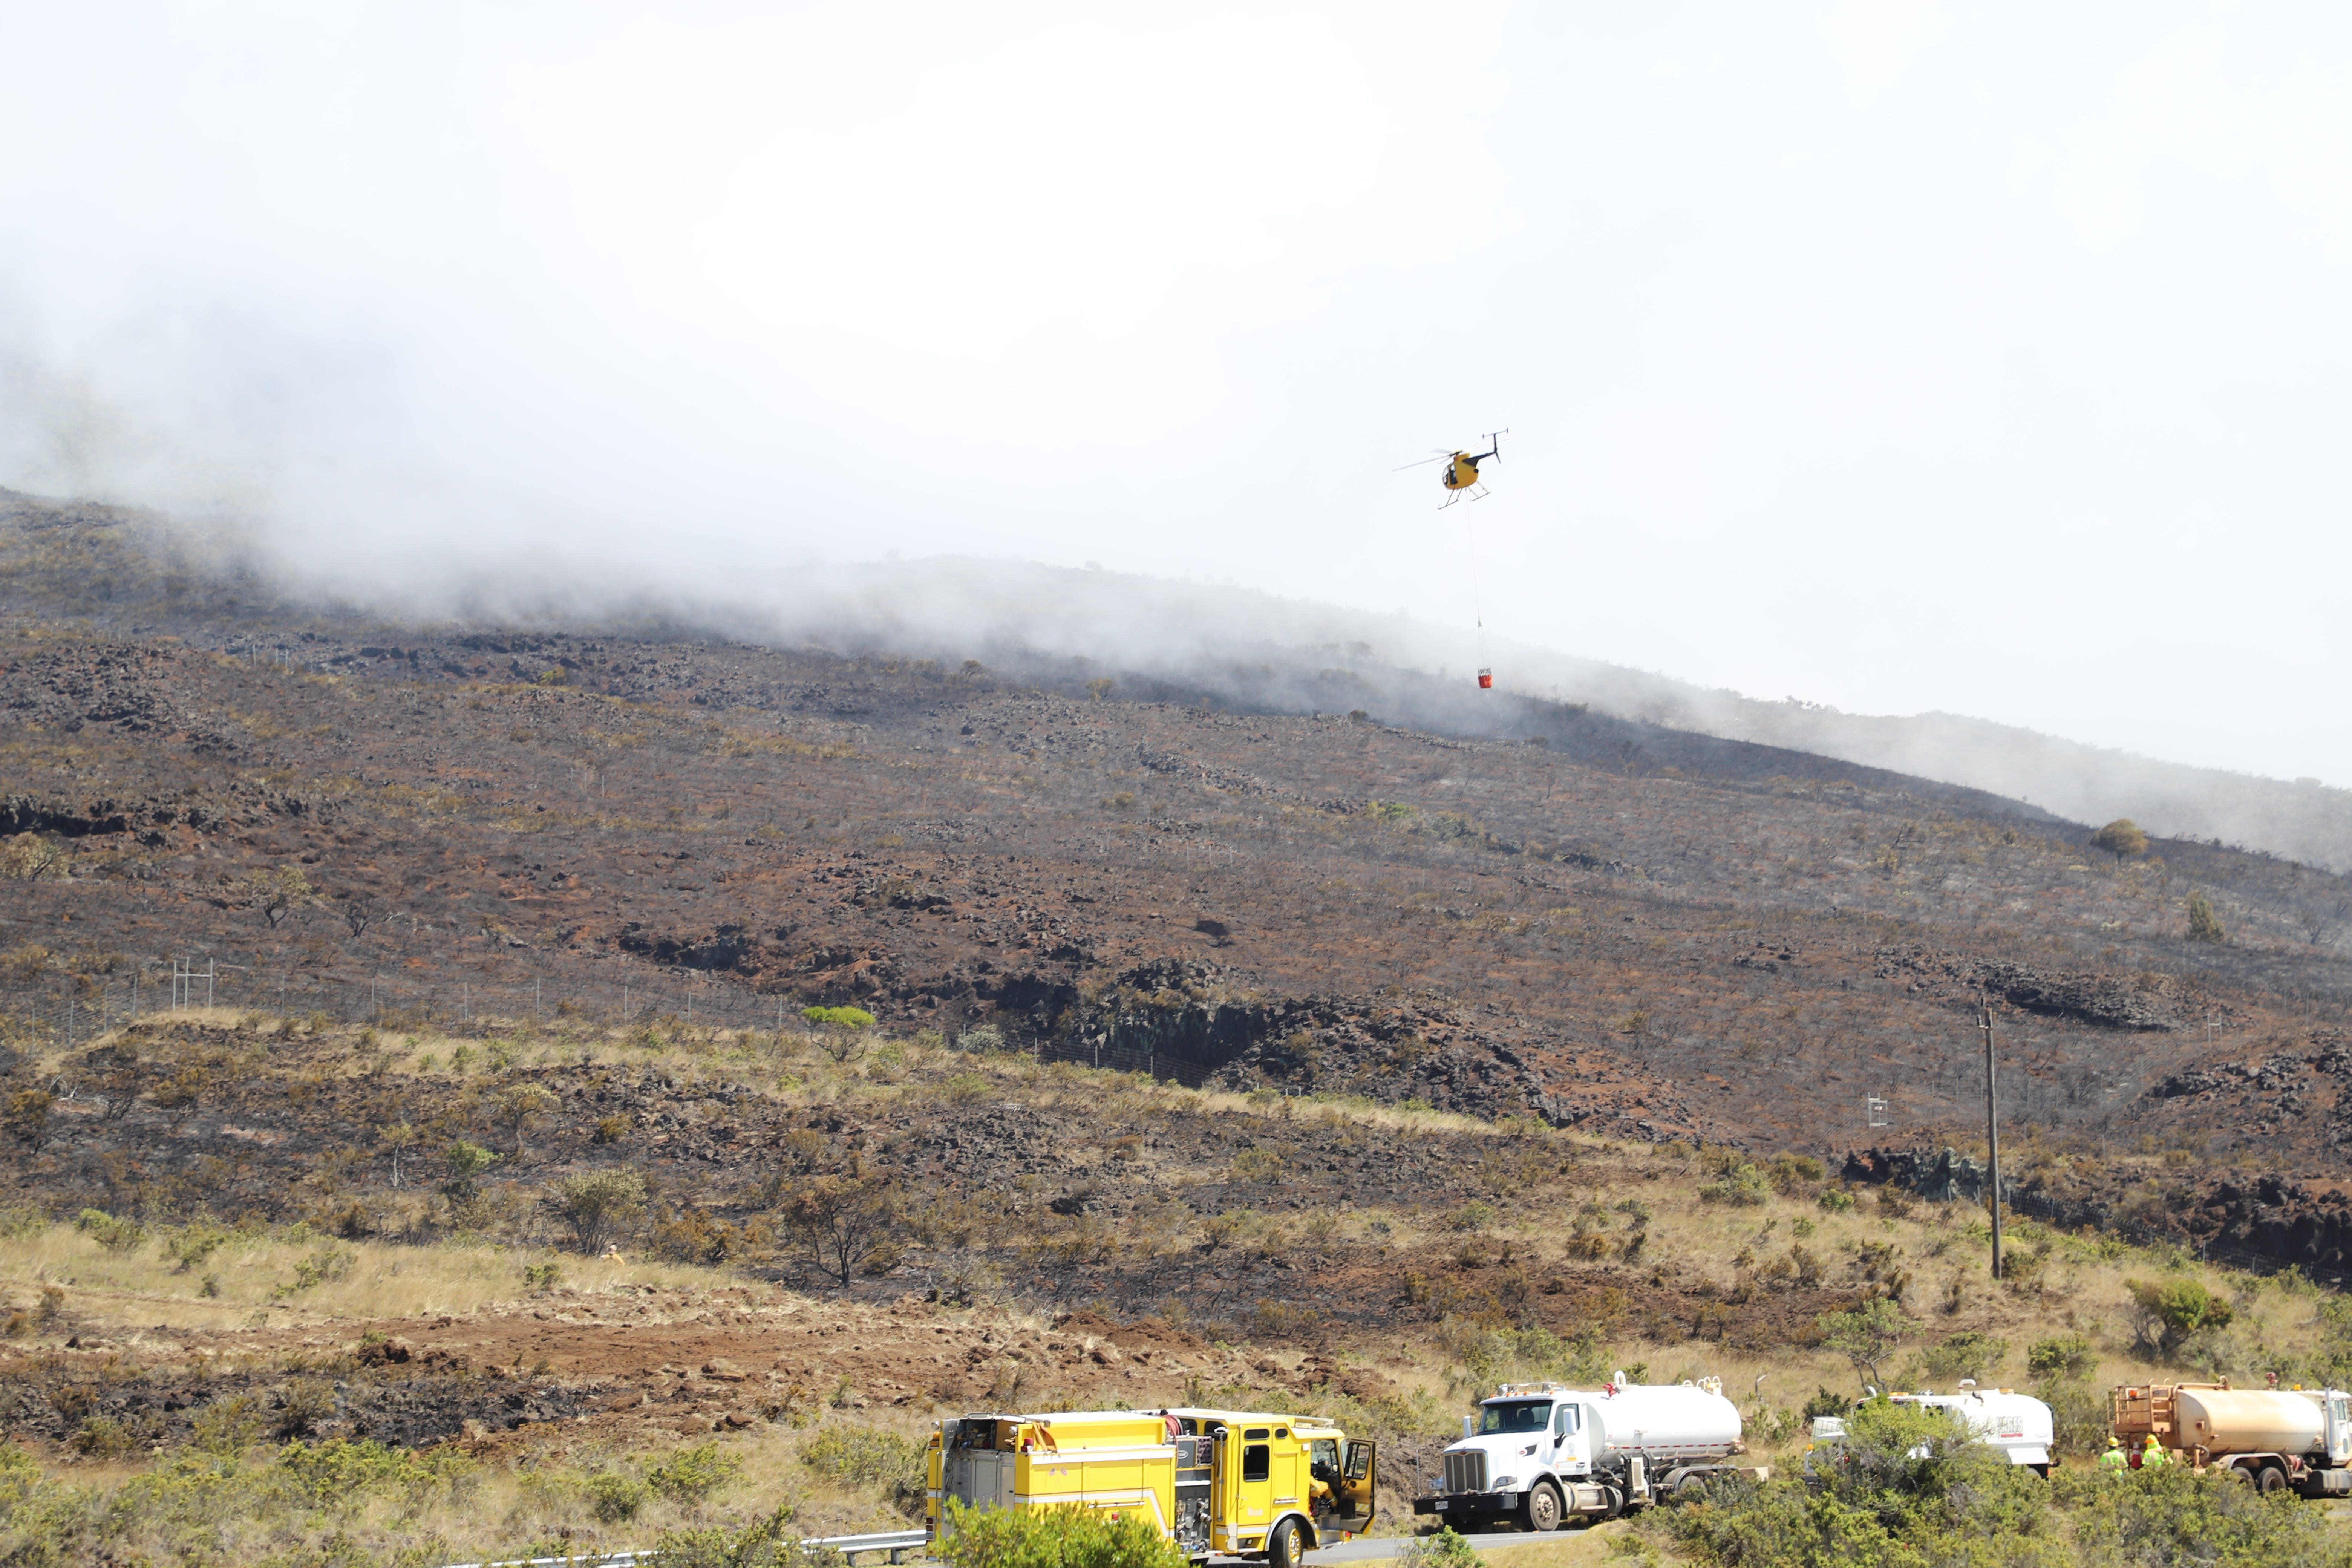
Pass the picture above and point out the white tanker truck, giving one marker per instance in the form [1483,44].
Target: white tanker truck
[1541,1453]
[2276,1439]
[2018,1425]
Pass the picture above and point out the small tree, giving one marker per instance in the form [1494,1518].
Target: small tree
[397,1140]
[841,1031]
[2322,915]
[2165,1313]
[27,1117]
[2121,838]
[838,1222]
[28,857]
[517,1107]
[360,912]
[1865,1336]
[465,1160]
[600,1206]
[178,1096]
[276,893]
[2204,925]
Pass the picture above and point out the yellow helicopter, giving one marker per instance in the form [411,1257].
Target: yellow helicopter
[1460,477]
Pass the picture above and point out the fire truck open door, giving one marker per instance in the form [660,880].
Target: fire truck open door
[1356,1490]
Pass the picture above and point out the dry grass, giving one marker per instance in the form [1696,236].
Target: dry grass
[541,1499]
[258,1278]
[1614,1542]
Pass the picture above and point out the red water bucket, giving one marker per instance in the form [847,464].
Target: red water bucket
[1485,681]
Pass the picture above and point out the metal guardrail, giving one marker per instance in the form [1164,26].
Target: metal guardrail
[896,1543]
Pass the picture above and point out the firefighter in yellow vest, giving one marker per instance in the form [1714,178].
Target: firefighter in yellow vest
[2151,1457]
[2114,1461]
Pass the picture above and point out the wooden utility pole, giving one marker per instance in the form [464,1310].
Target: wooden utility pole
[1992,1122]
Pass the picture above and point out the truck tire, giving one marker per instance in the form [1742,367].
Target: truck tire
[1690,1487]
[1542,1511]
[2242,1474]
[1616,1502]
[1282,1546]
[2272,1480]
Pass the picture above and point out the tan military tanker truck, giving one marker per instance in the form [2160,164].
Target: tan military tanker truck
[2278,1439]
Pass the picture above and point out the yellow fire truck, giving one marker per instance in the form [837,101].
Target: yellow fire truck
[1232,1483]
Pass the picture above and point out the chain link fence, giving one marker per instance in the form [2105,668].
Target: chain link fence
[66,1016]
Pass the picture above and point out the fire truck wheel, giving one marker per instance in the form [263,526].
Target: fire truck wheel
[1543,1510]
[2272,1480]
[1282,1546]
[2242,1475]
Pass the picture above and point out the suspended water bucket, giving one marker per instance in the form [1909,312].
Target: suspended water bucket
[1485,681]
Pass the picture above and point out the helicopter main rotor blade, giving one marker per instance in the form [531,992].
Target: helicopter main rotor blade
[1422,464]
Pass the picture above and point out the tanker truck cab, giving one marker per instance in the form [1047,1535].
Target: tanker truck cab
[1541,1454]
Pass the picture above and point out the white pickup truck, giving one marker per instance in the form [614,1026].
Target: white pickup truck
[1541,1454]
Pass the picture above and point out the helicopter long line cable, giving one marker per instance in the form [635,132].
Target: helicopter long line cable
[1477,609]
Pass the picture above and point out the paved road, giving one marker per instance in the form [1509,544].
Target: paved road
[1382,1549]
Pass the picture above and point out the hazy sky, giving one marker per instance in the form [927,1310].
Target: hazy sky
[1992,359]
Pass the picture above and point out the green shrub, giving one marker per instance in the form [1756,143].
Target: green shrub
[195,1244]
[964,1087]
[614,1497]
[770,1543]
[229,1426]
[114,1235]
[839,1018]
[1741,1186]
[2204,925]
[690,1475]
[861,1454]
[1966,1354]
[305,1403]
[342,1473]
[2066,1355]
[1443,1550]
[309,1273]
[2172,1515]
[601,1206]
[1475,1214]
[103,1438]
[1837,1200]
[1053,1538]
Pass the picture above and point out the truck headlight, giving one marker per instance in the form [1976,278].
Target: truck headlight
[1505,1483]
